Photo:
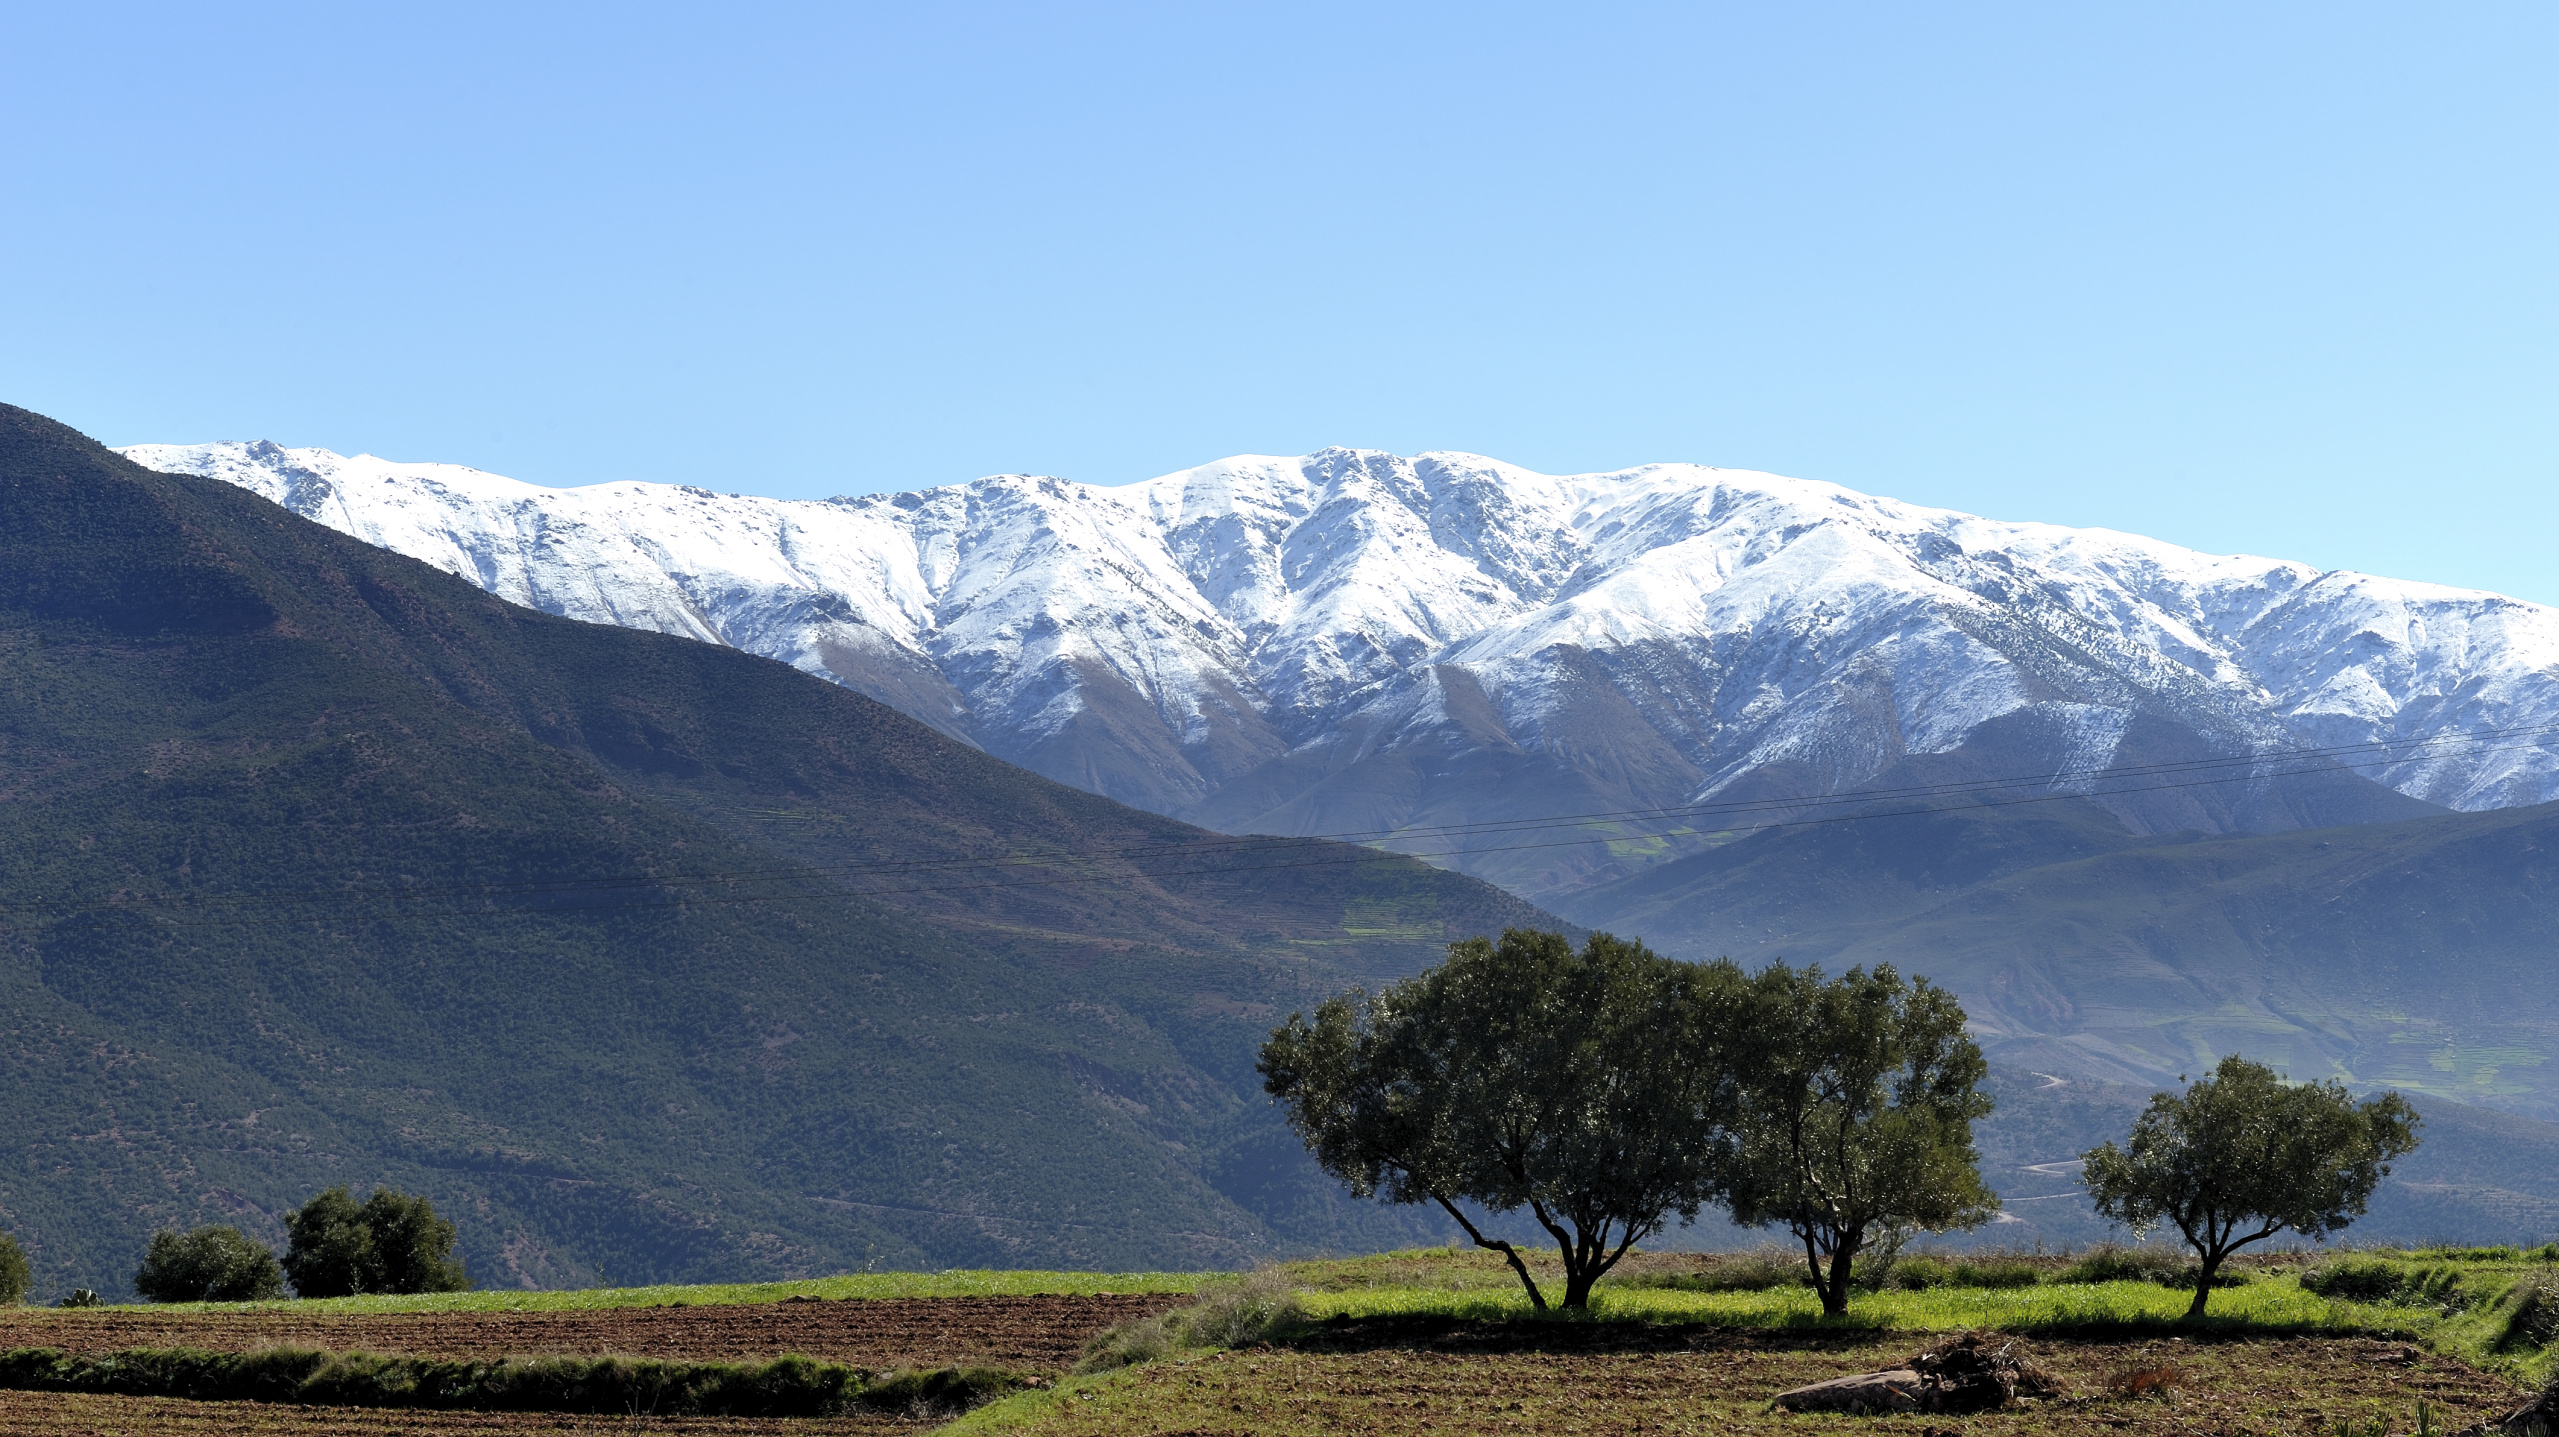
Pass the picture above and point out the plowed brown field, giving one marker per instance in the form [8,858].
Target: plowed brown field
[63,1414]
[1388,1378]
[1024,1334]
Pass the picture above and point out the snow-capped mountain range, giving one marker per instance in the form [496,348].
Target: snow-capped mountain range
[1353,641]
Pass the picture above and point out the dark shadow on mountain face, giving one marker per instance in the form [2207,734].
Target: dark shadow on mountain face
[646,959]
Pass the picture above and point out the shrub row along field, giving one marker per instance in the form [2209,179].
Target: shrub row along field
[786,1387]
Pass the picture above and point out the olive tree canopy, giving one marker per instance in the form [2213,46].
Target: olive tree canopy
[391,1242]
[2242,1155]
[1593,1088]
[210,1264]
[1858,1116]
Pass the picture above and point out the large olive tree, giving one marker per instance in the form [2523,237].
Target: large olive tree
[391,1242]
[1594,1088]
[1858,1116]
[2241,1155]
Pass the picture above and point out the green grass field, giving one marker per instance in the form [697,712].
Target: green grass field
[2274,1305]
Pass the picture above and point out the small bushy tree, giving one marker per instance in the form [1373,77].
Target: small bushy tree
[412,1247]
[1593,1088]
[210,1264]
[15,1276]
[328,1249]
[391,1242]
[2241,1155]
[1857,1118]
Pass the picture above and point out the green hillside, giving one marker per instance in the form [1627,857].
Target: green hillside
[2420,954]
[648,960]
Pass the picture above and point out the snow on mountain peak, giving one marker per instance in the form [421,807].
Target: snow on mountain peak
[1356,640]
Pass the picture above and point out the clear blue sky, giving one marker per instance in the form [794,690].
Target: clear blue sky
[2277,279]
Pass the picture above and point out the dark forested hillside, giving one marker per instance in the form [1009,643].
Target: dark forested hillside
[646,959]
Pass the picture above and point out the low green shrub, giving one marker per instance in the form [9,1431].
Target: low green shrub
[1916,1273]
[1127,1344]
[1758,1270]
[1997,1274]
[2531,1313]
[2367,1279]
[1262,1306]
[2111,1263]
[2355,1279]
[1922,1271]
[938,1391]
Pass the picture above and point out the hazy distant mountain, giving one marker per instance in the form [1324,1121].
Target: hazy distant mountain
[645,958]
[2418,954]
[1353,641]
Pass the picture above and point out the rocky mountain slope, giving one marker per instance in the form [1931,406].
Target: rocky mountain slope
[1357,643]
[645,958]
